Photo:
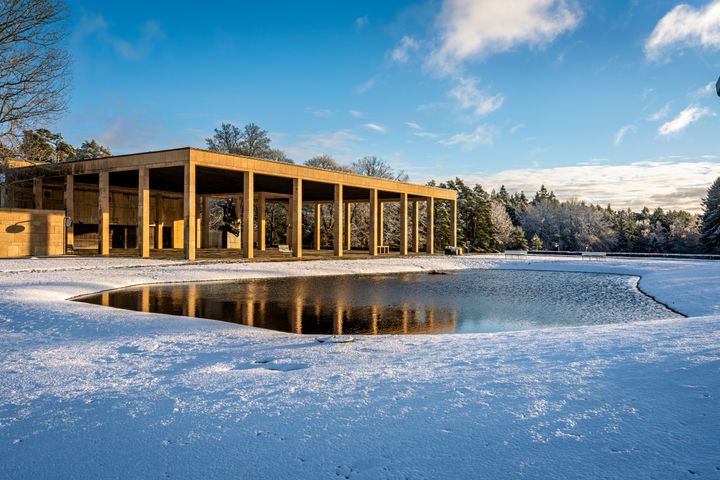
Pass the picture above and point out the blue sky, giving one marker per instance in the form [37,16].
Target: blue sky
[604,101]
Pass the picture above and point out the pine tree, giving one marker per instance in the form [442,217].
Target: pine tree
[710,233]
[536,243]
[518,240]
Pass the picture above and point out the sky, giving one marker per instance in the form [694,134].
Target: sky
[608,102]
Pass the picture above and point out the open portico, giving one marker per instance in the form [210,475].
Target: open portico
[158,201]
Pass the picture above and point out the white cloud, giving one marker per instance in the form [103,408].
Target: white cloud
[401,53]
[622,132]
[517,127]
[670,183]
[424,134]
[482,135]
[471,98]
[361,22]
[356,113]
[319,112]
[685,26]
[95,25]
[366,86]
[684,119]
[375,127]
[708,89]
[413,125]
[342,144]
[660,114]
[478,29]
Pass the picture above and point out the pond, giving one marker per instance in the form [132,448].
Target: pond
[469,301]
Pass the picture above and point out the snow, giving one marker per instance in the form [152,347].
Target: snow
[93,392]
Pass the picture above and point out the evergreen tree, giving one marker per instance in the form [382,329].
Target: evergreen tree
[91,149]
[518,240]
[710,233]
[535,243]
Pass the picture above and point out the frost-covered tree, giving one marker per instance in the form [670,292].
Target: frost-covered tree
[535,243]
[517,239]
[710,233]
[92,149]
[502,226]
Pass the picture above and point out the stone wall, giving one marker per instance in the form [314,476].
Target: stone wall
[31,232]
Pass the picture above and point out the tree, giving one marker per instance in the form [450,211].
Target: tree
[372,166]
[517,239]
[326,162]
[37,145]
[710,233]
[535,243]
[226,139]
[502,226]
[91,149]
[277,155]
[34,68]
[255,141]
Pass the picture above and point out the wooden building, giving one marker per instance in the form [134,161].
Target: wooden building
[159,200]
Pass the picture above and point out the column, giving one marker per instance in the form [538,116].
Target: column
[381,223]
[453,223]
[261,222]
[205,223]
[403,224]
[198,220]
[416,226]
[430,235]
[318,218]
[348,227]
[70,211]
[373,233]
[190,224]
[143,240]
[159,221]
[338,222]
[296,218]
[248,218]
[104,214]
[38,193]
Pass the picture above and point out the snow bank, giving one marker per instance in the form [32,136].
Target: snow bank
[93,392]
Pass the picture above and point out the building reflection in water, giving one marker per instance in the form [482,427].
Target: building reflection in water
[299,305]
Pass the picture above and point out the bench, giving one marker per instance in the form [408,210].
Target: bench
[594,256]
[383,249]
[284,248]
[453,251]
[518,254]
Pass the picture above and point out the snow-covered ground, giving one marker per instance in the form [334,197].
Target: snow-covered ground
[93,392]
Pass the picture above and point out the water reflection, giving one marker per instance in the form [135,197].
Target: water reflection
[479,301]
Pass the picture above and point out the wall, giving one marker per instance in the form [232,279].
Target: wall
[31,232]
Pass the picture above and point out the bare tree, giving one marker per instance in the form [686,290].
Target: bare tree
[377,167]
[34,67]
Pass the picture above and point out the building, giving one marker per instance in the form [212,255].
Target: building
[159,200]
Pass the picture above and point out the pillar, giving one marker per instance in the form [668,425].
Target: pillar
[296,218]
[403,224]
[261,222]
[348,227]
[4,197]
[430,235]
[381,223]
[205,223]
[248,217]
[318,218]
[416,226]
[189,205]
[198,220]
[338,222]
[373,233]
[70,211]
[159,221]
[38,193]
[143,240]
[104,214]
[453,223]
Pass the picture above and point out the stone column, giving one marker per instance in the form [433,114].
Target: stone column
[416,226]
[296,218]
[381,223]
[143,240]
[348,227]
[70,211]
[338,221]
[159,221]
[261,222]
[373,233]
[453,223]
[104,214]
[189,203]
[318,219]
[38,193]
[248,218]
[403,224]
[205,223]
[430,236]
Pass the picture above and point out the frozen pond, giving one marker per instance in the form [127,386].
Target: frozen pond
[463,302]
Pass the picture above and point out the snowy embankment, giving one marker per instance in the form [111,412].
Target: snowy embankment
[92,392]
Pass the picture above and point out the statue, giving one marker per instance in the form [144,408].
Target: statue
[230,218]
